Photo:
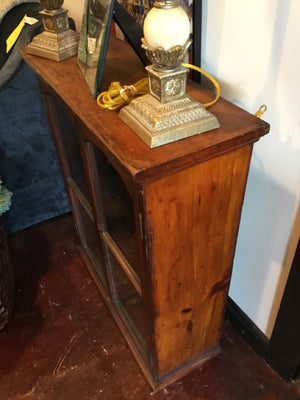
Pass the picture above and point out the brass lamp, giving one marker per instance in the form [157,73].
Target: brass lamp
[167,113]
[58,41]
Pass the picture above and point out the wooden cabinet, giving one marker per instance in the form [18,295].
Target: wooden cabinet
[157,227]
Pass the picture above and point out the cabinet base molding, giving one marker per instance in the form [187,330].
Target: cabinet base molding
[184,369]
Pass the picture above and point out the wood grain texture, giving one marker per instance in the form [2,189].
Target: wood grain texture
[118,141]
[192,219]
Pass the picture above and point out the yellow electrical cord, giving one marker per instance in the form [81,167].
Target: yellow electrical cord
[116,95]
[217,86]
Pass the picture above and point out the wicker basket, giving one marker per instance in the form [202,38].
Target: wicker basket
[6,279]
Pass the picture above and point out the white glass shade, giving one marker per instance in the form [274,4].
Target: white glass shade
[166,28]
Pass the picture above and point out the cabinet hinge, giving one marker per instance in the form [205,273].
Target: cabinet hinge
[141,225]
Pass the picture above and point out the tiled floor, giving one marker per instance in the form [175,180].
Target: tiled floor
[62,344]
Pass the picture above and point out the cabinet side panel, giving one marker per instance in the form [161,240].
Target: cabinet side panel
[191,223]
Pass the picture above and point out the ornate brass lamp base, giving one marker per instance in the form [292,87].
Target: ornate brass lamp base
[157,124]
[167,114]
[58,41]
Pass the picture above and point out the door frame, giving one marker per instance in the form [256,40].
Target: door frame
[282,350]
[284,346]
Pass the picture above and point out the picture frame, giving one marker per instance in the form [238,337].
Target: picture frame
[130,14]
[197,38]
[94,37]
[131,29]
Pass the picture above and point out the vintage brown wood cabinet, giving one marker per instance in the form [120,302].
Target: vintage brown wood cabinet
[157,227]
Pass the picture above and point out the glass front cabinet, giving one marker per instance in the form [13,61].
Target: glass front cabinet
[157,228]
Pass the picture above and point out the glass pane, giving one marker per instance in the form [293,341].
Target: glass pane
[94,36]
[117,208]
[130,303]
[91,243]
[71,148]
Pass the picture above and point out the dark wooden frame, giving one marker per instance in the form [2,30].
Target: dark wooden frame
[132,31]
[197,37]
[282,350]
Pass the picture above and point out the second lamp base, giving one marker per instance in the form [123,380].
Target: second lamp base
[157,124]
[54,46]
[58,41]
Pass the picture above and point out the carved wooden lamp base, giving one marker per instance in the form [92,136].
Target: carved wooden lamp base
[58,41]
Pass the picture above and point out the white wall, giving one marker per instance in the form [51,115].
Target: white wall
[253,48]
[75,11]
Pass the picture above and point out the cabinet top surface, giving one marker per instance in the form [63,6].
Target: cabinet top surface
[65,79]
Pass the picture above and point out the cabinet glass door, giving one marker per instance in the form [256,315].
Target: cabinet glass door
[129,303]
[90,241]
[68,136]
[118,209]
[68,147]
[117,221]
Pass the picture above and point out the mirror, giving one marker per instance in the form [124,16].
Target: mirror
[93,43]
